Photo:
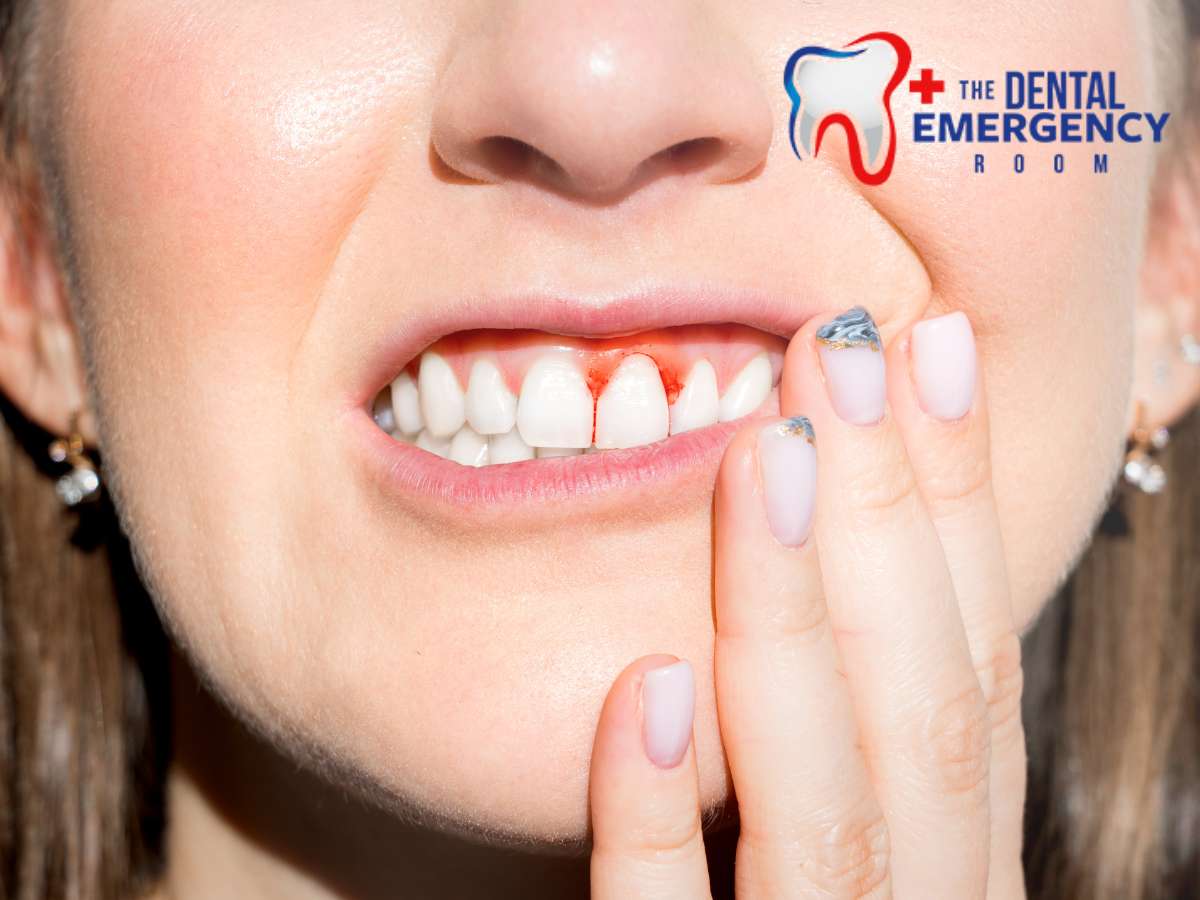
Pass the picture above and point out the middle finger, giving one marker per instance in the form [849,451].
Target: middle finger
[894,614]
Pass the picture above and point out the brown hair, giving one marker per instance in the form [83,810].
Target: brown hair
[1111,697]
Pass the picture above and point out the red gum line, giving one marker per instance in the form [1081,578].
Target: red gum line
[674,351]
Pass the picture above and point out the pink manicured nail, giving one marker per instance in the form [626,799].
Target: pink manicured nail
[943,360]
[852,357]
[787,460]
[668,704]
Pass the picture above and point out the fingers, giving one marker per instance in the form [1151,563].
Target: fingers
[894,612]
[936,393]
[810,823]
[644,794]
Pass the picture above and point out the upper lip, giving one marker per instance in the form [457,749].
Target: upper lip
[781,314]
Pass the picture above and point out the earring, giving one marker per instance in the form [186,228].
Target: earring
[1190,348]
[82,483]
[1140,468]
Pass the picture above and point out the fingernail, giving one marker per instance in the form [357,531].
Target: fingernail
[943,360]
[787,460]
[852,357]
[668,704]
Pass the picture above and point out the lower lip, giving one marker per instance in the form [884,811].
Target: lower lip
[415,476]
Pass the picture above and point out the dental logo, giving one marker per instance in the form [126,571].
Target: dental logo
[851,88]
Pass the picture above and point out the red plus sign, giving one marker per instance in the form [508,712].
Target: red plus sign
[926,86]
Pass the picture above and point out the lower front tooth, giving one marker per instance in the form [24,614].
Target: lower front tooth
[469,447]
[508,448]
[632,411]
[748,390]
[552,452]
[439,446]
[556,407]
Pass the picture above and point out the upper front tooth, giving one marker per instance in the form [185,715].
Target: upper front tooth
[748,391]
[469,448]
[556,407]
[491,406]
[698,404]
[406,404]
[632,411]
[442,403]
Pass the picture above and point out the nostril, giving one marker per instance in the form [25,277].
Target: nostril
[688,156]
[513,158]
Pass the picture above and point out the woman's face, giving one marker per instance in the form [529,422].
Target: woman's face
[276,207]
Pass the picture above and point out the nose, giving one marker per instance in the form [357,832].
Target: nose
[592,99]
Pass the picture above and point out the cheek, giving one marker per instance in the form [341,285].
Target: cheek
[1046,265]
[216,167]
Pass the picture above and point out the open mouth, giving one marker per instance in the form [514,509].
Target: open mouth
[490,397]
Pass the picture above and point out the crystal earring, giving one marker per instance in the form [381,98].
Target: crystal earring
[82,483]
[1190,348]
[1141,470]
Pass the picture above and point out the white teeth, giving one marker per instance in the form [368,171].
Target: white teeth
[555,414]
[698,404]
[491,406]
[632,411]
[436,445]
[406,404]
[556,407]
[508,448]
[748,391]
[443,405]
[469,448]
[551,452]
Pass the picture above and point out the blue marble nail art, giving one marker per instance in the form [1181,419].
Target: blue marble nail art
[853,328]
[798,426]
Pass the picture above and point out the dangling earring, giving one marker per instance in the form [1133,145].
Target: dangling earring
[1189,347]
[1140,468]
[82,483]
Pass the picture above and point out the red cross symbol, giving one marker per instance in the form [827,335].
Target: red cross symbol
[926,86]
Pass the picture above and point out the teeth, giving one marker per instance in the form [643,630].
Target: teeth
[442,403]
[698,404]
[436,445]
[469,448]
[507,448]
[552,452]
[382,412]
[491,406]
[632,411]
[748,391]
[555,414]
[406,404]
[556,407]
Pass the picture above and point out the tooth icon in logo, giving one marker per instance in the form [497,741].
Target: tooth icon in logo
[852,88]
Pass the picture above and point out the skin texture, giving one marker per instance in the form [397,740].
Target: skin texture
[258,194]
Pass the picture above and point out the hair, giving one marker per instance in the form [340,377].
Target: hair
[1112,666]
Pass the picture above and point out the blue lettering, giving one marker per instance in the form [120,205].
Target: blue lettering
[923,127]
[1126,135]
[1157,124]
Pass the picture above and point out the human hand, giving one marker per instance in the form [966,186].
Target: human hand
[867,668]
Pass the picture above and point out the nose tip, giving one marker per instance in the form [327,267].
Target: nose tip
[594,99]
